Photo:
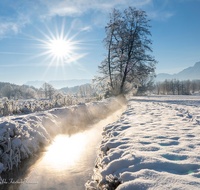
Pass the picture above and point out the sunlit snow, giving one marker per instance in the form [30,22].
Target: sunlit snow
[154,145]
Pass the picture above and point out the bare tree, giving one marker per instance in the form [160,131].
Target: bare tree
[70,97]
[40,92]
[127,44]
[80,92]
[157,88]
[193,86]
[172,86]
[175,86]
[51,91]
[198,86]
[30,93]
[45,89]
[89,91]
[7,91]
[48,90]
[18,92]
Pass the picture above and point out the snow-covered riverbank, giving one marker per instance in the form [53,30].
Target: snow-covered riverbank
[21,136]
[154,145]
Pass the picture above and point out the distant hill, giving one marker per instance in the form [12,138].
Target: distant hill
[2,84]
[58,84]
[191,73]
[36,84]
[67,89]
[69,83]
[74,89]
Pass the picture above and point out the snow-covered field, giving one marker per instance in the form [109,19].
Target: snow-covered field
[22,135]
[154,145]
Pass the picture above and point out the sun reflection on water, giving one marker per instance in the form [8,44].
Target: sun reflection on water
[65,151]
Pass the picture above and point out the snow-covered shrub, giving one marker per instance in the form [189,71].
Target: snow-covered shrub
[29,106]
[26,109]
[6,109]
[4,99]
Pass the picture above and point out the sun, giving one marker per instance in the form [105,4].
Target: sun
[59,48]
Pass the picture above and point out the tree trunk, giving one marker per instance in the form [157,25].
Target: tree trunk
[109,65]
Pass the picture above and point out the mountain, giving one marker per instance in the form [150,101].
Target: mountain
[69,83]
[190,73]
[36,84]
[58,84]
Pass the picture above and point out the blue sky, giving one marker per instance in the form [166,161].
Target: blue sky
[27,26]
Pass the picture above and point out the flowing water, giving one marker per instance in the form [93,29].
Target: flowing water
[66,164]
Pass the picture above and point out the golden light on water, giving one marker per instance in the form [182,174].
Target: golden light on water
[65,151]
[68,161]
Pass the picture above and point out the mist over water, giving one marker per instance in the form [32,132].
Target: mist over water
[68,162]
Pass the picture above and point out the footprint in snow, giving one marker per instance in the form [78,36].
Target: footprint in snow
[174,157]
[169,143]
[190,135]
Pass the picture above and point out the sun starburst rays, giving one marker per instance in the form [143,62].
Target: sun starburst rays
[60,49]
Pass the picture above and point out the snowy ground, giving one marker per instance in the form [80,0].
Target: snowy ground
[154,145]
[22,135]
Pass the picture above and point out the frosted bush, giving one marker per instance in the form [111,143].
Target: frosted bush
[6,109]
[4,99]
[58,100]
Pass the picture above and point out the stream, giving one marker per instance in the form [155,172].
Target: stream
[66,164]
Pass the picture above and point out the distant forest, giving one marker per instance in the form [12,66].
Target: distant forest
[46,91]
[177,87]
[168,87]
[16,91]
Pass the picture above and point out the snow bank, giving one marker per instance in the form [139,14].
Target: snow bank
[21,136]
[154,145]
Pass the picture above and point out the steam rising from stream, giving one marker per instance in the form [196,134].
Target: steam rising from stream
[66,163]
[21,136]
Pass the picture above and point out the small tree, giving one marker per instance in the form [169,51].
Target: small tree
[51,91]
[127,44]
[40,92]
[80,92]
[193,86]
[70,97]
[30,93]
[48,90]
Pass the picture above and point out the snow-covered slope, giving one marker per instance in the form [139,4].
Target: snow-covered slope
[154,145]
[21,136]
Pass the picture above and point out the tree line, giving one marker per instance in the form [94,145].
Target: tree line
[16,91]
[177,87]
[46,91]
[47,98]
